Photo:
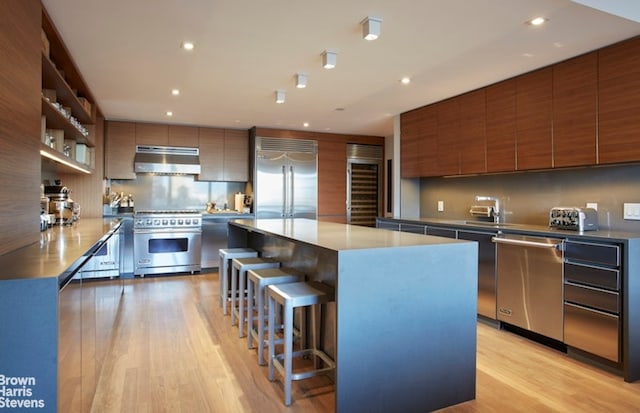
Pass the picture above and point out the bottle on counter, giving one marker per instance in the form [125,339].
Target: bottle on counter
[130,201]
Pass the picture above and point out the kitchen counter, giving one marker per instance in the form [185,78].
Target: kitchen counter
[541,230]
[403,327]
[61,249]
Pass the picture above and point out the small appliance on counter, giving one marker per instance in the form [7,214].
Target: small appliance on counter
[60,204]
[573,218]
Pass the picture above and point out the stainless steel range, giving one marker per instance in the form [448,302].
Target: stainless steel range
[167,242]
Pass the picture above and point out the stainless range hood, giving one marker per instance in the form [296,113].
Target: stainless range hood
[167,160]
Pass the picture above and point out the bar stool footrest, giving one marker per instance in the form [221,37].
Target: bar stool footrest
[331,365]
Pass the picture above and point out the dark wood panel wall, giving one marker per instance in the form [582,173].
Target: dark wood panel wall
[20,79]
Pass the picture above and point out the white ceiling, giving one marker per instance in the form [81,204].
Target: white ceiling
[129,53]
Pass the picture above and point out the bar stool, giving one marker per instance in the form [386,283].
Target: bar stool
[292,296]
[239,268]
[226,255]
[257,283]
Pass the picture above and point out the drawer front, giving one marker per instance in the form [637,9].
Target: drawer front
[413,228]
[594,276]
[441,232]
[393,226]
[596,253]
[592,297]
[592,331]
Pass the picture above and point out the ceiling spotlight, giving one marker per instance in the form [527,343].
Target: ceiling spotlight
[175,92]
[188,45]
[301,81]
[537,21]
[371,28]
[329,59]
[279,96]
[405,80]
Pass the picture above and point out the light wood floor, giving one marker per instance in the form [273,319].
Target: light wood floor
[174,351]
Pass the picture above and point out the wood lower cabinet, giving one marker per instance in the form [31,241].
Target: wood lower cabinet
[533,120]
[619,102]
[120,148]
[574,111]
[501,126]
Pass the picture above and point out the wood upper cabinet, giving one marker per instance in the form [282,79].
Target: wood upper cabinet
[152,134]
[619,102]
[447,142]
[472,140]
[211,143]
[120,148]
[533,120]
[332,179]
[574,111]
[428,141]
[179,135]
[410,144]
[501,126]
[236,155]
[224,155]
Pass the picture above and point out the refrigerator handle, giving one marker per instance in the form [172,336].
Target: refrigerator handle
[284,190]
[291,197]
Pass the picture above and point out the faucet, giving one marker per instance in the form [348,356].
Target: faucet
[496,206]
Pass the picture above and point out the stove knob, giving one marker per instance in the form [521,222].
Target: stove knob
[165,221]
[173,222]
[195,221]
[187,221]
[156,222]
[180,221]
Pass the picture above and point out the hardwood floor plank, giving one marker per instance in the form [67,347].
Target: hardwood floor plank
[174,351]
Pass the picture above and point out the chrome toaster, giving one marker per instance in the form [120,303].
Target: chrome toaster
[573,218]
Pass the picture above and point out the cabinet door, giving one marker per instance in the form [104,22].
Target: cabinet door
[211,143]
[448,113]
[120,149]
[152,134]
[332,179]
[236,155]
[409,144]
[533,120]
[472,143]
[619,102]
[574,111]
[183,136]
[501,126]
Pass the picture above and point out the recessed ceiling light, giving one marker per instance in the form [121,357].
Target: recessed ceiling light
[169,113]
[339,109]
[405,80]
[527,55]
[306,124]
[175,92]
[188,45]
[537,21]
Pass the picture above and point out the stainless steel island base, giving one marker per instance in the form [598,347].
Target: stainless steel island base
[405,311]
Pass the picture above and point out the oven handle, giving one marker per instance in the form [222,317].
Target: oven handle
[524,243]
[168,231]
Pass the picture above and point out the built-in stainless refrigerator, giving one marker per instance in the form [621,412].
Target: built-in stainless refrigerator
[286,178]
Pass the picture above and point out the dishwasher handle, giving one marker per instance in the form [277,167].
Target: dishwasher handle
[525,243]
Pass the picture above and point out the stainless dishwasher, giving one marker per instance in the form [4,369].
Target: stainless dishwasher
[529,283]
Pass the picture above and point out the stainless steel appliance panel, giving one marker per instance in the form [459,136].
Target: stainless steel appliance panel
[593,331]
[592,275]
[105,262]
[286,178]
[157,251]
[530,283]
[592,297]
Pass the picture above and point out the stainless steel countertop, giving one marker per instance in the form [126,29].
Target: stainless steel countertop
[338,237]
[59,249]
[541,230]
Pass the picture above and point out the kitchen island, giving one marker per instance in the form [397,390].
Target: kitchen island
[405,312]
[42,323]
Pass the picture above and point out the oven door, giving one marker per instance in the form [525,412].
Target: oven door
[158,251]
